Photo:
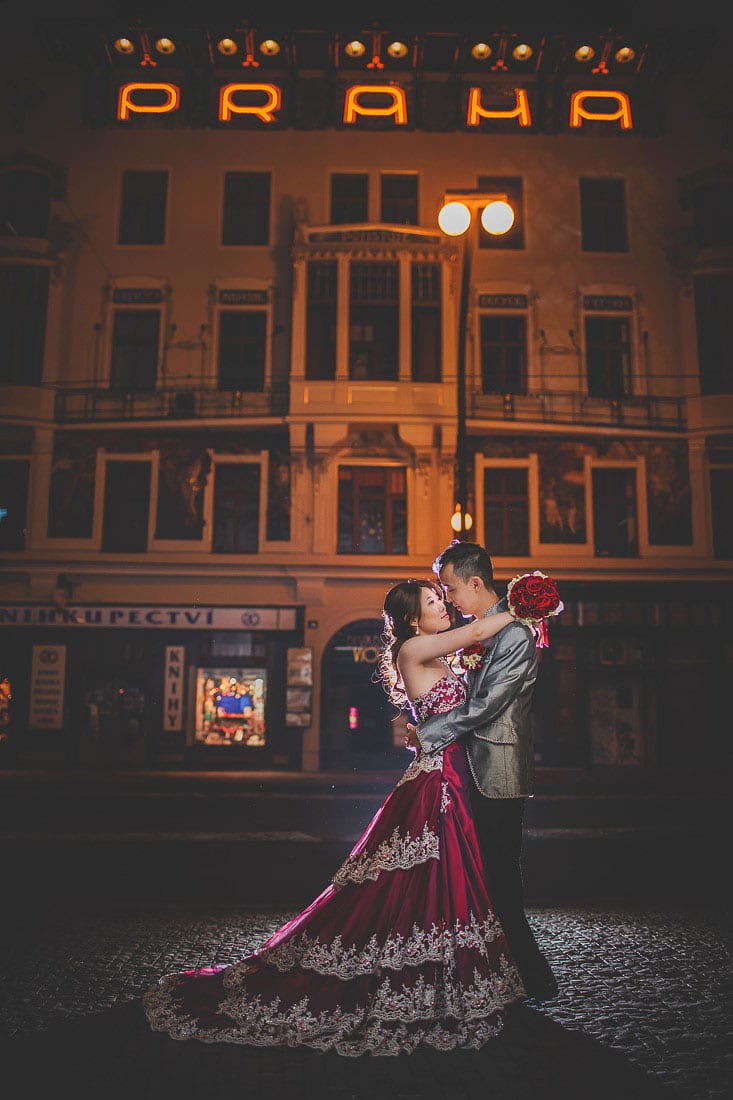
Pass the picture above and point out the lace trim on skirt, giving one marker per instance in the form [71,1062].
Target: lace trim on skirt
[423,762]
[421,946]
[444,1014]
[397,852]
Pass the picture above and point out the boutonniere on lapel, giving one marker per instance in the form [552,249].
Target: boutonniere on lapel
[531,599]
[471,658]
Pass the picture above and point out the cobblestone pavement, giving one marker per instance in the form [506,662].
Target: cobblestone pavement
[642,1012]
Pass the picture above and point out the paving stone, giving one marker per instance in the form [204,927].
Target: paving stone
[642,1012]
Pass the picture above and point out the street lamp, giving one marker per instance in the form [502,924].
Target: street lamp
[454,219]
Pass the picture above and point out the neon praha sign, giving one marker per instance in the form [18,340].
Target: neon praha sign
[263,103]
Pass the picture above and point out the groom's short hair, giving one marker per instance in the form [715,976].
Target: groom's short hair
[468,560]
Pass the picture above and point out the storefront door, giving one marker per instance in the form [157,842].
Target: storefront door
[356,726]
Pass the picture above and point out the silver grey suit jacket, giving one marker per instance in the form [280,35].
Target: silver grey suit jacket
[496,716]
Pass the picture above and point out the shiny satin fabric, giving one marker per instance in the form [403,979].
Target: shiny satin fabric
[495,719]
[402,950]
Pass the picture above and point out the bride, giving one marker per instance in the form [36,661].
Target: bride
[402,949]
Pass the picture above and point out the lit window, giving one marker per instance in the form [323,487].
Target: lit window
[372,510]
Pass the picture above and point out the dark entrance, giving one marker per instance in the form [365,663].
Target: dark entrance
[356,728]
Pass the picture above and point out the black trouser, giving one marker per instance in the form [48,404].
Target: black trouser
[499,828]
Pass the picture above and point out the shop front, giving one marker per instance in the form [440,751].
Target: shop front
[137,686]
[632,682]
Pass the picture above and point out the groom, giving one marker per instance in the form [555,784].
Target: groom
[495,720]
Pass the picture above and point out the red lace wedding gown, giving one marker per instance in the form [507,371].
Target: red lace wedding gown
[401,950]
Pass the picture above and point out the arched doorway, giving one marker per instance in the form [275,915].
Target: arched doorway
[356,727]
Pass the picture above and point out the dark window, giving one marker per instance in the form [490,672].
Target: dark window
[714,318]
[25,202]
[320,352]
[242,350]
[608,356]
[603,215]
[374,321]
[23,308]
[349,198]
[713,214]
[13,504]
[126,507]
[614,513]
[372,510]
[142,208]
[246,208]
[721,494]
[278,497]
[503,353]
[72,491]
[236,508]
[399,199]
[511,187]
[135,348]
[426,323]
[506,511]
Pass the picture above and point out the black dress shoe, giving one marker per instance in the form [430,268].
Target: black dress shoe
[539,981]
[541,989]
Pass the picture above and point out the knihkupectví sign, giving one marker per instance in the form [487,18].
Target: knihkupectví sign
[146,616]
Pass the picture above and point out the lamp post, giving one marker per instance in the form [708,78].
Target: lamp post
[454,219]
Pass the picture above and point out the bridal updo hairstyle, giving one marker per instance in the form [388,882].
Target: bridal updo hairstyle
[401,606]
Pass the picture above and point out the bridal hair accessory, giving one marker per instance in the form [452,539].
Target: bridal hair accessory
[532,598]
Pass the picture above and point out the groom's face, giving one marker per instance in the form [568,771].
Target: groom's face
[464,595]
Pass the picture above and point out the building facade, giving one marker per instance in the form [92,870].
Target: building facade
[244,375]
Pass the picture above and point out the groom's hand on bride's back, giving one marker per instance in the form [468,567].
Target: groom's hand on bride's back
[411,739]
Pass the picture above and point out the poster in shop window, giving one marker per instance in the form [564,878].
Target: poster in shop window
[299,694]
[48,674]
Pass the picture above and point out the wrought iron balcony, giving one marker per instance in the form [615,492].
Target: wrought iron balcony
[98,403]
[558,407]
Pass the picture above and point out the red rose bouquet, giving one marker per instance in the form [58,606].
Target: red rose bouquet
[531,599]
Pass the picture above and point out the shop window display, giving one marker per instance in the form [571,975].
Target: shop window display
[230,706]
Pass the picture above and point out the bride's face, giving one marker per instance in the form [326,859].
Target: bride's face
[433,615]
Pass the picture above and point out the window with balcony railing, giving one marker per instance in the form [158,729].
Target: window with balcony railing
[506,510]
[603,215]
[608,356]
[374,310]
[503,353]
[372,510]
[23,309]
[246,218]
[135,349]
[242,350]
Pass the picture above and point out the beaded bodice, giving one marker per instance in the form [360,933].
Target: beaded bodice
[444,695]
